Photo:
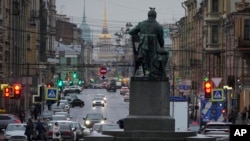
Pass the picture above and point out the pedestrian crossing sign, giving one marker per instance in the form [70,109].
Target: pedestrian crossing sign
[51,94]
[217,95]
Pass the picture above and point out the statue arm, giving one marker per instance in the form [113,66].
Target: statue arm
[160,37]
[135,30]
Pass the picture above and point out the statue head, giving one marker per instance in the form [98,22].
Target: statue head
[152,13]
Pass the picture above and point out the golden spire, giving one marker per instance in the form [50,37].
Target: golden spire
[105,33]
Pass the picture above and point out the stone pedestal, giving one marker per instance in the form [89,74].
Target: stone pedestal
[149,118]
[149,105]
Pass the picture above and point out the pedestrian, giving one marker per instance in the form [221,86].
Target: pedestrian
[22,115]
[56,132]
[41,130]
[232,116]
[29,129]
[75,134]
[248,112]
[244,115]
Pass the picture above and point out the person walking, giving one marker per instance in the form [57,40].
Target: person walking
[56,132]
[22,115]
[41,130]
[29,129]
[232,116]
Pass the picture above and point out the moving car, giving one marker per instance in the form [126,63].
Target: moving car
[92,118]
[5,119]
[15,131]
[111,86]
[98,101]
[102,96]
[218,130]
[72,89]
[76,102]
[124,90]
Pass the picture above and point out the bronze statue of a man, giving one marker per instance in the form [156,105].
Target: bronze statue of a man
[151,43]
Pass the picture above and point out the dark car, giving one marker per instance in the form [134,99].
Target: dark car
[76,102]
[111,86]
[5,119]
[93,118]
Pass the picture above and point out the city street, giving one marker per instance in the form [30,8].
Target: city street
[114,109]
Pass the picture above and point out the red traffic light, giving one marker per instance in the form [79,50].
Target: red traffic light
[6,92]
[17,89]
[208,89]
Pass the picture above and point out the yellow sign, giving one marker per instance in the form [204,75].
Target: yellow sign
[3,85]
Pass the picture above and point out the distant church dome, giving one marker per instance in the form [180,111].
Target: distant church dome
[86,31]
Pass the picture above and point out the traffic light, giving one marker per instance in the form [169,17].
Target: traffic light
[208,89]
[224,111]
[74,75]
[50,84]
[60,83]
[17,88]
[6,92]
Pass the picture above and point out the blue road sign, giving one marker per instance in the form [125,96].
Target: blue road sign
[217,95]
[51,94]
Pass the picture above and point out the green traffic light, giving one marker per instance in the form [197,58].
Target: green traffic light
[74,75]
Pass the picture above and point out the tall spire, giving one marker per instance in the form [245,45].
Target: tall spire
[84,17]
[105,22]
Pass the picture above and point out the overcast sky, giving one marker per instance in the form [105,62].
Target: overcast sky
[119,12]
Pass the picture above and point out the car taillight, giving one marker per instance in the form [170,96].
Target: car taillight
[67,133]
[17,121]
[50,133]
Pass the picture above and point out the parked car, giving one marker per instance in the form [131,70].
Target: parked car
[218,130]
[66,129]
[124,90]
[92,118]
[46,115]
[15,131]
[76,102]
[126,97]
[99,127]
[97,101]
[63,113]
[59,117]
[5,119]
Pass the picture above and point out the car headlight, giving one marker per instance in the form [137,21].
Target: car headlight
[102,121]
[102,102]
[105,98]
[94,101]
[87,122]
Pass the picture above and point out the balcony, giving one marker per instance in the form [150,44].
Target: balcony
[213,49]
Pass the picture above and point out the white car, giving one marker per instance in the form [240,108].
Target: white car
[15,131]
[102,96]
[98,101]
[72,89]
[218,130]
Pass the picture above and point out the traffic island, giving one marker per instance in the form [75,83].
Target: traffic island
[149,113]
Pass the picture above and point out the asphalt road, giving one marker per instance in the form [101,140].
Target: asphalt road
[114,109]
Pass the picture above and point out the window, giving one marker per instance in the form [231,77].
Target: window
[246,29]
[215,6]
[215,34]
[68,61]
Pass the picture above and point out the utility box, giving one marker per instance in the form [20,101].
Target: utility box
[179,111]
